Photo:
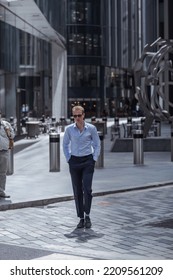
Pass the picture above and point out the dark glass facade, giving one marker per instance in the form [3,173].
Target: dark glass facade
[8,61]
[54,11]
[25,70]
[103,40]
[83,21]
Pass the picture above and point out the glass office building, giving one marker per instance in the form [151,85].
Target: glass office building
[55,54]
[103,39]
[33,63]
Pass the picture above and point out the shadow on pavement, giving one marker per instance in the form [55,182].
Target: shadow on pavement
[83,235]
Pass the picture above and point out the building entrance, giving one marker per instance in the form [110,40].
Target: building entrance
[91,106]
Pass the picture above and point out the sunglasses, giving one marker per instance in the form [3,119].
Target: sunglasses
[75,116]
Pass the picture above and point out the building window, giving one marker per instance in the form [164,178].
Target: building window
[76,44]
[76,12]
[88,44]
[27,45]
[83,40]
[83,76]
[120,78]
[83,28]
[83,12]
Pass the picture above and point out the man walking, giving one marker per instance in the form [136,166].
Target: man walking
[6,136]
[81,146]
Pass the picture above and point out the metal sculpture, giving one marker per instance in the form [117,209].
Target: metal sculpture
[149,72]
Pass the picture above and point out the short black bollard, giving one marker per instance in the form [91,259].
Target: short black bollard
[53,121]
[138,150]
[157,131]
[141,125]
[116,121]
[129,127]
[62,123]
[129,120]
[104,119]
[93,119]
[54,152]
[71,119]
[100,161]
[10,169]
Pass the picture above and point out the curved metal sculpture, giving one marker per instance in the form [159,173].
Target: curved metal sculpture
[148,78]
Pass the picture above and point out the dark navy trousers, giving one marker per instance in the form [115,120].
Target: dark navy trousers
[81,171]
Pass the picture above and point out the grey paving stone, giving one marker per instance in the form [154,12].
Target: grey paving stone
[120,232]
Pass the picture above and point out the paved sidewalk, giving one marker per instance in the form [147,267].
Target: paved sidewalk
[32,184]
[133,221]
[126,226]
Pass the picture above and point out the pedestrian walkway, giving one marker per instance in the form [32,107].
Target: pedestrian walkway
[131,212]
[135,225]
[32,184]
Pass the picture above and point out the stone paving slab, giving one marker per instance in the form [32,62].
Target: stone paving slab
[124,227]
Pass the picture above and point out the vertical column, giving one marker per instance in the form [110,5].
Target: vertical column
[138,154]
[54,152]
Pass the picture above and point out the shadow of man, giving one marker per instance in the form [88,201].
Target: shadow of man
[83,235]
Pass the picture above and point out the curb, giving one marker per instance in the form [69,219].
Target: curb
[47,201]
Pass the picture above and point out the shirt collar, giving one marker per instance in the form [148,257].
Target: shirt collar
[85,125]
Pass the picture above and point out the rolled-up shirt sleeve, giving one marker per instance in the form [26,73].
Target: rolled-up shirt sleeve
[95,143]
[66,145]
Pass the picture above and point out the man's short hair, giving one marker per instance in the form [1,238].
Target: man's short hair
[78,107]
